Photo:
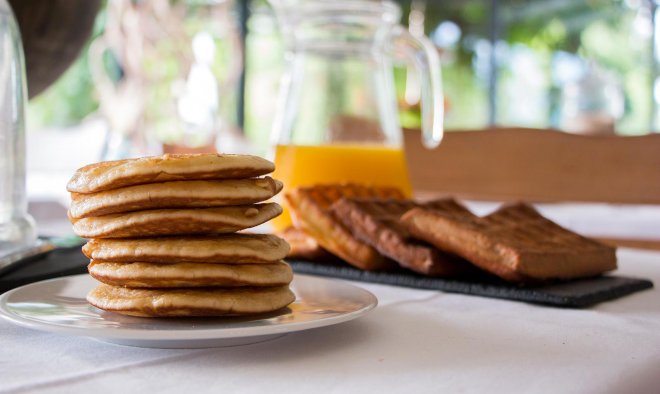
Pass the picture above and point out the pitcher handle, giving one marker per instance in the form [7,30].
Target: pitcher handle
[421,52]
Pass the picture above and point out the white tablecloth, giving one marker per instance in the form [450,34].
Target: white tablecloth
[416,341]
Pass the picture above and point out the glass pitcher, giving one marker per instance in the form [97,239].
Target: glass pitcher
[337,119]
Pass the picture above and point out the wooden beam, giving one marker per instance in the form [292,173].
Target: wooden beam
[537,165]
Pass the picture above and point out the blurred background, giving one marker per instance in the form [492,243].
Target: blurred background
[140,83]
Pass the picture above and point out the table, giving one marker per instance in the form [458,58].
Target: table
[416,341]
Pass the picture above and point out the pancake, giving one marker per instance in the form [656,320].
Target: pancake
[228,249]
[158,222]
[184,194]
[190,302]
[190,274]
[114,174]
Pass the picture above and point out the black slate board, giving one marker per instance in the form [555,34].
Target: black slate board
[574,294]
[60,262]
[570,294]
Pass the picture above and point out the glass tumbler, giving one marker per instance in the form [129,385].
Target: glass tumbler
[17,228]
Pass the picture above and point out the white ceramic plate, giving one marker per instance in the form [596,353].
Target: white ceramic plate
[59,306]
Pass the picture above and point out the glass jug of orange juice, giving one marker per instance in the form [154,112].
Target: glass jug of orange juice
[337,117]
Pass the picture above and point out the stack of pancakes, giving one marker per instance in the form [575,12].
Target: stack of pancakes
[163,238]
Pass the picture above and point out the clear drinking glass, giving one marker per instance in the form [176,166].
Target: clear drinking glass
[337,117]
[17,228]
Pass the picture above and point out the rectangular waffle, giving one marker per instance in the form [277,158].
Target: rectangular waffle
[304,246]
[311,211]
[515,243]
[377,222]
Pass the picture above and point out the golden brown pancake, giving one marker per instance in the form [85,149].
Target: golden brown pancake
[190,302]
[114,174]
[227,249]
[158,222]
[185,194]
[154,275]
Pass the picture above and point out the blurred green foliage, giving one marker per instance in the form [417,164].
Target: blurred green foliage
[600,30]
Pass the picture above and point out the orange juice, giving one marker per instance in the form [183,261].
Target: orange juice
[304,165]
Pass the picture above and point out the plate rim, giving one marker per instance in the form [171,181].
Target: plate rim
[176,335]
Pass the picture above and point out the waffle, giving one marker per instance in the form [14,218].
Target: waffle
[190,302]
[226,249]
[155,275]
[158,222]
[184,194]
[377,223]
[114,174]
[515,243]
[304,247]
[312,214]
